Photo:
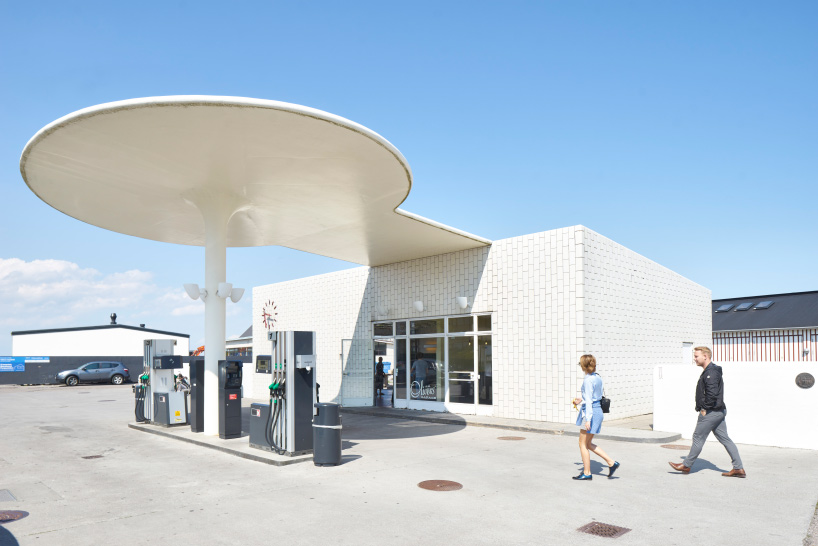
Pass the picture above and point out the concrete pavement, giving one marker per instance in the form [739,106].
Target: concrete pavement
[144,488]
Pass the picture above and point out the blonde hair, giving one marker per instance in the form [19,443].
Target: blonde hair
[705,350]
[587,363]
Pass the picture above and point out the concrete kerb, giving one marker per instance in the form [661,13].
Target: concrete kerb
[618,434]
[238,446]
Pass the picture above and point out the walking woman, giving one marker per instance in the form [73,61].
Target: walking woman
[590,418]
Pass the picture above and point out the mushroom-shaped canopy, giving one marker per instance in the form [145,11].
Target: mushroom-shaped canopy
[162,168]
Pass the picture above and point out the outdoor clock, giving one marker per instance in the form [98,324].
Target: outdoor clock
[268,314]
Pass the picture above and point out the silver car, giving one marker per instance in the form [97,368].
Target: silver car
[95,372]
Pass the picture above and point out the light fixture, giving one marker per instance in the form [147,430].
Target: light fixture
[224,291]
[462,301]
[418,306]
[236,294]
[195,292]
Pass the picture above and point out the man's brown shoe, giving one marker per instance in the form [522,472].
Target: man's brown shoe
[681,468]
[735,473]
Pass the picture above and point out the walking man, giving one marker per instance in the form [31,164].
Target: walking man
[712,411]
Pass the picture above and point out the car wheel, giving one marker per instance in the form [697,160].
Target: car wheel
[71,380]
[117,379]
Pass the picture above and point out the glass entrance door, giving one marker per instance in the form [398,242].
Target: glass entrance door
[461,374]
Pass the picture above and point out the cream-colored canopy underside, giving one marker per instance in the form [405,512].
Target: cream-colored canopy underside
[163,168]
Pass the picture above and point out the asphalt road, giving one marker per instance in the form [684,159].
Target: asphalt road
[149,489]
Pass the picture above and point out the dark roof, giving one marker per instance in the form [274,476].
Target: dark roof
[248,332]
[103,327]
[793,310]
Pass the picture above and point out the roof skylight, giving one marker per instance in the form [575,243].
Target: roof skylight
[764,305]
[744,306]
[725,307]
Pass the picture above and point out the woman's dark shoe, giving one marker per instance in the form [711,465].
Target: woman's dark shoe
[612,468]
[583,476]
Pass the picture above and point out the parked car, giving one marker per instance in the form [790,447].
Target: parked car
[95,372]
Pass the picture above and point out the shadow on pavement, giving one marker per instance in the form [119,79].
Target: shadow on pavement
[368,427]
[6,538]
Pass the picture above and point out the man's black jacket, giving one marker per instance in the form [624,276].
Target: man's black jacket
[710,389]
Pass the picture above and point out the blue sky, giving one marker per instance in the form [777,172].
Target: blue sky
[686,131]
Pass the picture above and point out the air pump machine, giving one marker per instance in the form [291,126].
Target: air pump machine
[285,425]
[156,397]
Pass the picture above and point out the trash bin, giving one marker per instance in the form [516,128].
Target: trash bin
[326,435]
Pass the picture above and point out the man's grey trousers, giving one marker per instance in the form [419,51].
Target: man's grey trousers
[712,422]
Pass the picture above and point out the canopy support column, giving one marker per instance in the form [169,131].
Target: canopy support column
[215,272]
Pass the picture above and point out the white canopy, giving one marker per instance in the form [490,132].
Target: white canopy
[278,173]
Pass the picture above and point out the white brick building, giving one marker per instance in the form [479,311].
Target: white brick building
[535,304]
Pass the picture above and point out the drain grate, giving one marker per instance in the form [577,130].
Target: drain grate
[5,495]
[11,515]
[92,457]
[675,446]
[440,485]
[603,530]
[511,437]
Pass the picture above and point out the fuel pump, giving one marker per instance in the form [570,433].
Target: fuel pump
[230,377]
[156,399]
[285,426]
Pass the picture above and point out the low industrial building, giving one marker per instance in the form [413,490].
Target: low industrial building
[495,330]
[106,339]
[771,328]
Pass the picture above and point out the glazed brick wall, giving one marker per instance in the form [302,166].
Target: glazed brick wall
[553,296]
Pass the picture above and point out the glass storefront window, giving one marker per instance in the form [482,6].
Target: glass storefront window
[400,328]
[400,369]
[383,329]
[428,326]
[484,323]
[484,369]
[461,324]
[426,381]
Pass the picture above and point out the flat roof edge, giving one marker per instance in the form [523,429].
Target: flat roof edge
[103,327]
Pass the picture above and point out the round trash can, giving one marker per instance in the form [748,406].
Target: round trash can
[326,435]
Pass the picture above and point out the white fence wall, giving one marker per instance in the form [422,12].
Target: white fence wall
[800,344]
[764,405]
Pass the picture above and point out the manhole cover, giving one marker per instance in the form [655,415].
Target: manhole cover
[11,515]
[675,446]
[92,457]
[440,485]
[511,437]
[603,530]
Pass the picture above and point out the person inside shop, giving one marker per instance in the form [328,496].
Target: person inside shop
[379,376]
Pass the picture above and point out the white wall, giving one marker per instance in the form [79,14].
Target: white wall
[764,405]
[637,314]
[332,305]
[553,296]
[97,342]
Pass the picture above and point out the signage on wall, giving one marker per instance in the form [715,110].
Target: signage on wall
[269,314]
[18,363]
[421,391]
[805,380]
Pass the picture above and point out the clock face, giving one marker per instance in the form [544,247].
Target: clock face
[269,314]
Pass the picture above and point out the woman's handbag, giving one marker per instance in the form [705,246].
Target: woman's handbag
[605,402]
